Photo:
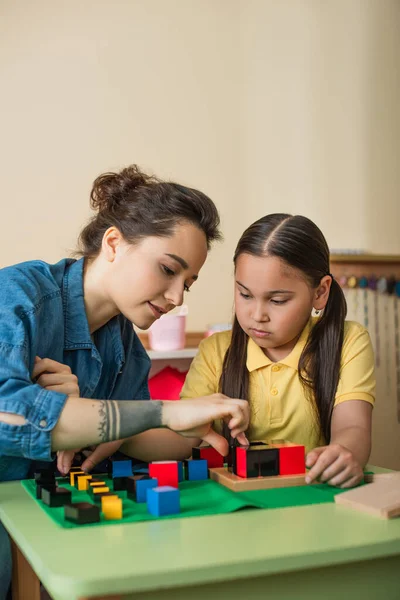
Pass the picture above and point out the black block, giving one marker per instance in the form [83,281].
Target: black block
[120,483]
[56,497]
[82,513]
[41,486]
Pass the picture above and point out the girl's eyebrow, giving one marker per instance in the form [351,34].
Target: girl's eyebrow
[270,293]
[182,262]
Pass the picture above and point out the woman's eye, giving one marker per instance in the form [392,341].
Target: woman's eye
[245,296]
[168,271]
[278,301]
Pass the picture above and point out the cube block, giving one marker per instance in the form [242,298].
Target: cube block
[257,461]
[82,513]
[163,500]
[166,472]
[196,470]
[214,458]
[112,508]
[56,497]
[137,487]
[120,468]
[292,458]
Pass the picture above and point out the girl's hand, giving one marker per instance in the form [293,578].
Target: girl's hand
[335,465]
[55,376]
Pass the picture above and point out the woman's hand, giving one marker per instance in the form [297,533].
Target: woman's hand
[335,465]
[194,418]
[57,377]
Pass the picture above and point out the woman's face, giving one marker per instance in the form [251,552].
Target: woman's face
[148,279]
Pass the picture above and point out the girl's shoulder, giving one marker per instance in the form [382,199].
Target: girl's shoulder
[216,344]
[356,340]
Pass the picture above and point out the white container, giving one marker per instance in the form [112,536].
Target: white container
[168,333]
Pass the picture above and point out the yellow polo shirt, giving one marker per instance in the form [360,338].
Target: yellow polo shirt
[278,404]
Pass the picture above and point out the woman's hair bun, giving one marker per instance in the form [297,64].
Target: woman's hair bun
[111,189]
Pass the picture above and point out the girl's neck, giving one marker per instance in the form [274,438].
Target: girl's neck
[278,354]
[99,308]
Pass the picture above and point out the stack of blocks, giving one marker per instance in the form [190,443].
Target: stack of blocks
[159,489]
[265,460]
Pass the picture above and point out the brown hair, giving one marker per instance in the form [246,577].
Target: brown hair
[142,205]
[298,242]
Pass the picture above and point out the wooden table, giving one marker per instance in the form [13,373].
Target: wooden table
[308,552]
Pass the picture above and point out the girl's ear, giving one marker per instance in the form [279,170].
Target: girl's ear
[322,293]
[111,240]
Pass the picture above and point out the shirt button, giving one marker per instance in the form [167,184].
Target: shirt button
[276,368]
[274,391]
[43,423]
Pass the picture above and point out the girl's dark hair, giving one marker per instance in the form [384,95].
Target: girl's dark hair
[141,205]
[298,242]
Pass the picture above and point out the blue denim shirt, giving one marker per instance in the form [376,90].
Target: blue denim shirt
[42,313]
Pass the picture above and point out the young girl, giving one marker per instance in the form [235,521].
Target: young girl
[66,334]
[309,380]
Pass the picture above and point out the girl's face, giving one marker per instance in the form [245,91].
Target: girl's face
[273,303]
[148,279]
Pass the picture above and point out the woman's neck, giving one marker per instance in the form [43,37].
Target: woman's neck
[99,307]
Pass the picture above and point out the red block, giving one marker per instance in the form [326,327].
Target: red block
[165,471]
[214,459]
[292,459]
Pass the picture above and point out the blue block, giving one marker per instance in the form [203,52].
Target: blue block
[163,500]
[181,473]
[142,485]
[121,468]
[197,469]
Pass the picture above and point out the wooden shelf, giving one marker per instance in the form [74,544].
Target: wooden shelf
[366,258]
[172,354]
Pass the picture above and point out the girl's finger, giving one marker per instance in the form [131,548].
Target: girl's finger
[344,475]
[325,459]
[353,481]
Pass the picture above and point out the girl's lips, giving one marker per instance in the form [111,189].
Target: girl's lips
[260,334]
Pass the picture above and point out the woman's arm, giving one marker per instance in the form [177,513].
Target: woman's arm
[85,422]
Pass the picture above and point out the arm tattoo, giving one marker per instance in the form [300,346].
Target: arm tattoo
[123,418]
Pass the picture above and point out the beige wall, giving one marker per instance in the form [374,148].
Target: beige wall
[266,106]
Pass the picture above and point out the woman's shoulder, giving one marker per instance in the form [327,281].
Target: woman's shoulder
[27,283]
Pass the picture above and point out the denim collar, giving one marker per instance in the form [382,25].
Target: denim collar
[77,333]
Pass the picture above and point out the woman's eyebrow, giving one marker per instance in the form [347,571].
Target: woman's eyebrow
[182,262]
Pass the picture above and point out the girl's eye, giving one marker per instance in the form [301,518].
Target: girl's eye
[168,271]
[278,301]
[245,296]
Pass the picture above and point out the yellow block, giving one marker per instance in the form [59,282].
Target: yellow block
[73,475]
[112,508]
[83,482]
[100,490]
[108,499]
[97,484]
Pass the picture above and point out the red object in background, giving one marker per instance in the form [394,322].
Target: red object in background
[213,457]
[165,471]
[167,384]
